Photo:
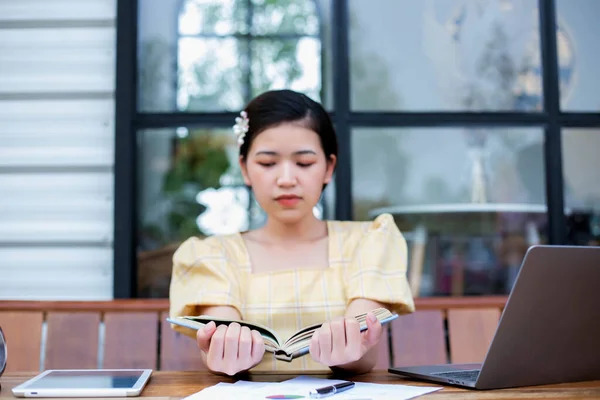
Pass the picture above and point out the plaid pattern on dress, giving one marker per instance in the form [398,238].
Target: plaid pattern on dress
[366,260]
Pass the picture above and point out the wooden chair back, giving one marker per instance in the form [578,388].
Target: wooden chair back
[134,334]
[419,339]
[97,334]
[443,330]
[23,334]
[177,351]
[471,331]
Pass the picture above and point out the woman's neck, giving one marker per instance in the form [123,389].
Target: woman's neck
[305,230]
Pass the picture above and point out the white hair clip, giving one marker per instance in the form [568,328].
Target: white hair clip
[241,127]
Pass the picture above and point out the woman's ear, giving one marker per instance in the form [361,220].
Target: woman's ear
[330,169]
[244,169]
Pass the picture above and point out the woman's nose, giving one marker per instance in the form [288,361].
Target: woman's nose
[287,176]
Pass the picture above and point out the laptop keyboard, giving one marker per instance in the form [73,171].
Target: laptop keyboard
[469,375]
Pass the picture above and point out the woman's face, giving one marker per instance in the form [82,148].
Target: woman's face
[286,168]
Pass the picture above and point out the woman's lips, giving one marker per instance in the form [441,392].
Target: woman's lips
[288,201]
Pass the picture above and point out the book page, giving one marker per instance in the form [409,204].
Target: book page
[305,334]
[299,343]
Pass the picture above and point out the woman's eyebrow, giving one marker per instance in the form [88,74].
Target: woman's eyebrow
[266,153]
[274,153]
[302,152]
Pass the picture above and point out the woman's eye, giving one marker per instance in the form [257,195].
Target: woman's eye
[267,164]
[304,165]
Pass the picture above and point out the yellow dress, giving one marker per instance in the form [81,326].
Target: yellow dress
[366,260]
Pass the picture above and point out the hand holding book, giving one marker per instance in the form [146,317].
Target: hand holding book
[296,346]
[341,341]
[230,348]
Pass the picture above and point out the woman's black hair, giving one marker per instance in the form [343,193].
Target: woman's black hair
[276,107]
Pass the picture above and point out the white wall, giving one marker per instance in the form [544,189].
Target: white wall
[57,73]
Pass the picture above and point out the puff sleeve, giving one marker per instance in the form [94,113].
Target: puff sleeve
[202,275]
[377,270]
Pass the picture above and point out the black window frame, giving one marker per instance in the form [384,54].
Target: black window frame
[128,121]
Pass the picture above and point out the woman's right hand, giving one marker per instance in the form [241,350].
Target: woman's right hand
[230,349]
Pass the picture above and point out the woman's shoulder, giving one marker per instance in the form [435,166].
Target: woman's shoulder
[353,234]
[194,248]
[211,240]
[381,223]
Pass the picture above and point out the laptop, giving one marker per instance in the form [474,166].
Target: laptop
[549,331]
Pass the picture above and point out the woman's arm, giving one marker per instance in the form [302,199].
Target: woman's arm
[227,312]
[340,344]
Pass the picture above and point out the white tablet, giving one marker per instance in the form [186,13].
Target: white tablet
[85,383]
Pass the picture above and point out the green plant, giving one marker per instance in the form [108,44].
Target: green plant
[199,160]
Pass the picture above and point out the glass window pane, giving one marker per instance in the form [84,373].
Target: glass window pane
[476,199]
[211,74]
[285,16]
[189,185]
[578,56]
[292,64]
[198,55]
[221,17]
[582,185]
[448,55]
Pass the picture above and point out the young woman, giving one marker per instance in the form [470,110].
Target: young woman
[296,270]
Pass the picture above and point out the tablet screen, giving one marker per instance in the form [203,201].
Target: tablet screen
[87,380]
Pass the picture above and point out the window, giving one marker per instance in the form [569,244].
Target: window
[445,55]
[218,54]
[448,106]
[475,200]
[207,58]
[578,55]
[582,186]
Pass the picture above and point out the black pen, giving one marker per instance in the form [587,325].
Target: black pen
[331,390]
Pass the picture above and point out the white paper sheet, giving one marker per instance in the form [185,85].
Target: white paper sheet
[300,386]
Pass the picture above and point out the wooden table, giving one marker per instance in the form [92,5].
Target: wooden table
[175,385]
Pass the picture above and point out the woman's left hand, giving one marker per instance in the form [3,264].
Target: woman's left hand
[341,342]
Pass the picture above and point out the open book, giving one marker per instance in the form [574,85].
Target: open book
[295,346]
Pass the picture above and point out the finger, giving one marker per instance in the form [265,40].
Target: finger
[217,344]
[338,337]
[325,341]
[232,342]
[374,330]
[352,332]
[245,347]
[354,347]
[204,335]
[314,349]
[258,347]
